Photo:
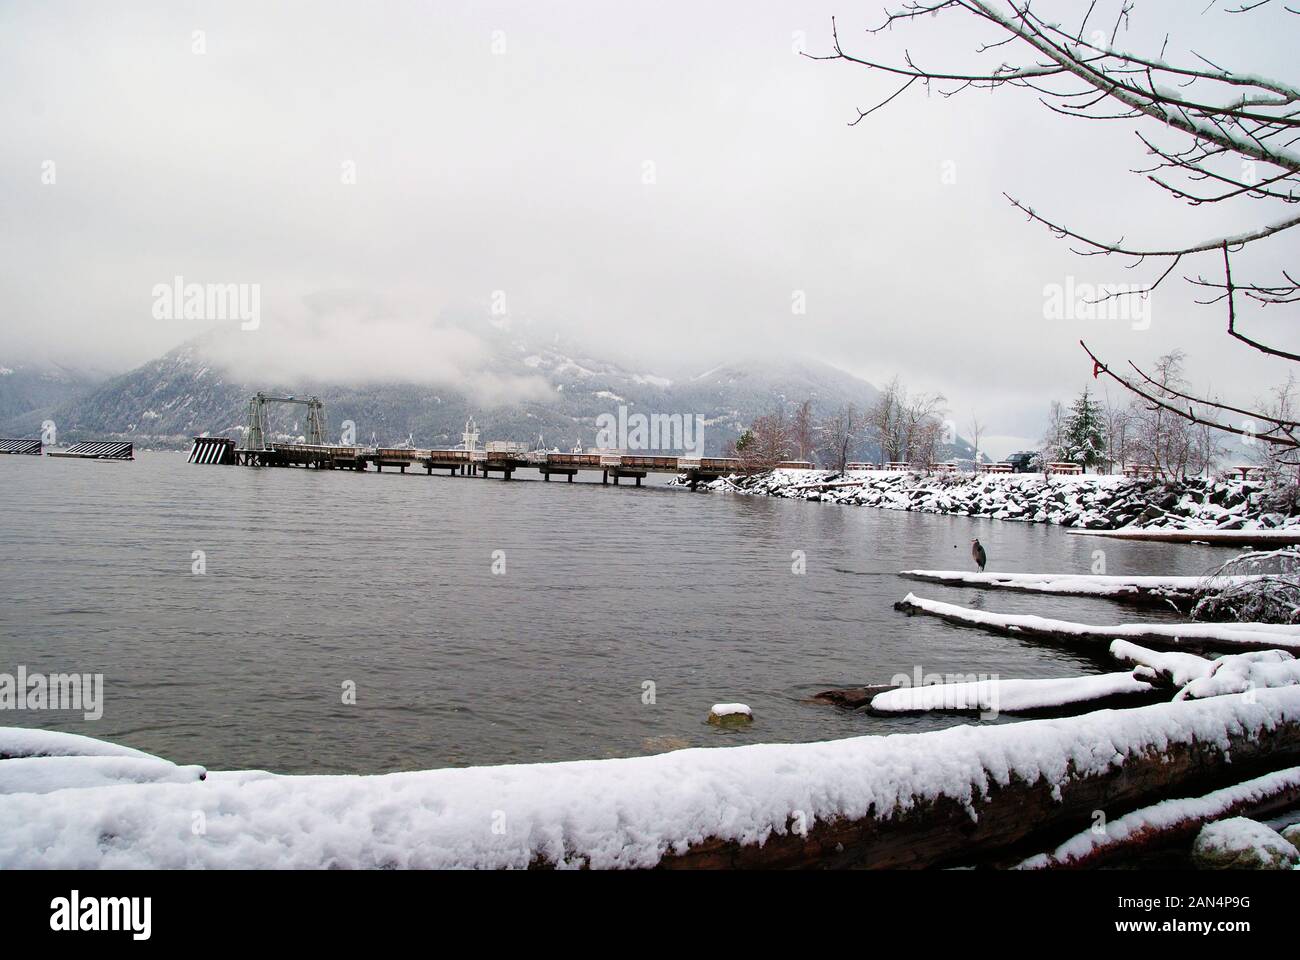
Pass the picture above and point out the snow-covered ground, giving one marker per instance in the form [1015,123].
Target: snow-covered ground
[1089,501]
[602,813]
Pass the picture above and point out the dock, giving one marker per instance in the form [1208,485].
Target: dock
[502,458]
[613,467]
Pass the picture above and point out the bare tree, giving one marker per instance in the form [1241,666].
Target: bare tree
[1163,439]
[924,428]
[1216,136]
[976,432]
[885,419]
[771,441]
[1053,443]
[908,428]
[1119,426]
[803,430]
[838,433]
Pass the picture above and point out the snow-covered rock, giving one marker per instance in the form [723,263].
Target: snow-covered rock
[730,714]
[1085,501]
[1242,844]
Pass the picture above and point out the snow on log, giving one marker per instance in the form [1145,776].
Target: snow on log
[1180,592]
[1188,637]
[959,795]
[1169,669]
[1211,535]
[47,774]
[1198,677]
[992,696]
[1171,822]
[1240,673]
[25,742]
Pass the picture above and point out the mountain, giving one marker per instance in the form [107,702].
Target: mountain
[34,390]
[185,392]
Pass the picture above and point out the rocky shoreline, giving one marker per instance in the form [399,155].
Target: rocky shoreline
[1089,501]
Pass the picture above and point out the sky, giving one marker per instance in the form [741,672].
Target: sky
[671,183]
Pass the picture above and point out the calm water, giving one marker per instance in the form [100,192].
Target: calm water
[316,579]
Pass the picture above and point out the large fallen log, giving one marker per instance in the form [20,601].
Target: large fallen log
[1011,809]
[1211,536]
[1176,593]
[1199,638]
[968,794]
[1170,823]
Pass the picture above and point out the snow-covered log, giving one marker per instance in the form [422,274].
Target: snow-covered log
[1244,672]
[962,795]
[1186,637]
[1170,822]
[995,696]
[47,774]
[1198,677]
[1177,592]
[25,742]
[1166,668]
[1211,535]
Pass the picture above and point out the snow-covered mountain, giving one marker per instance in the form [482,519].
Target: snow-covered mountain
[186,392]
[33,390]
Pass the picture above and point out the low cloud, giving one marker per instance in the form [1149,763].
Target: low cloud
[358,339]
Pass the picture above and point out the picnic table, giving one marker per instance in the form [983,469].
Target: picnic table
[1062,467]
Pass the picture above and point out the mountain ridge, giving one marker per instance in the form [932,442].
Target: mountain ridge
[186,392]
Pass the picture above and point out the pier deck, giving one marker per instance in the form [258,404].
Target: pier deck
[613,467]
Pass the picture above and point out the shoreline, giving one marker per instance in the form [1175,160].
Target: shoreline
[1085,502]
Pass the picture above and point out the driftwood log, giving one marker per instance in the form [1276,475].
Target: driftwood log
[1019,819]
[1150,832]
[1095,641]
[1167,597]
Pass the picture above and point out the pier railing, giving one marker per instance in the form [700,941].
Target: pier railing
[501,458]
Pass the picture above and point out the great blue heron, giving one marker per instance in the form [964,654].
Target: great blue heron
[978,555]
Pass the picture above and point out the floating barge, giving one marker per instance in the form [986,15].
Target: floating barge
[97,450]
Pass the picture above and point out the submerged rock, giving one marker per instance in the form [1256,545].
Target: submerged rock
[1242,844]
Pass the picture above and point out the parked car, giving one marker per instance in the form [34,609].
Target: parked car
[1024,462]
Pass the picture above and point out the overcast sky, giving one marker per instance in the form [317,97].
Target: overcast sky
[506,147]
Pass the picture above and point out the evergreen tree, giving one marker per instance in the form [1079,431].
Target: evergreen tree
[1084,440]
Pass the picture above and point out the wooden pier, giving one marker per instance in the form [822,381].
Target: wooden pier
[613,467]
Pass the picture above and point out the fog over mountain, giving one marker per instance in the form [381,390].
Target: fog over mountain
[520,381]
[670,186]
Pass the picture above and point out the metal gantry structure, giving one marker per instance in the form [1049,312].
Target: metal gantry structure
[255,435]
